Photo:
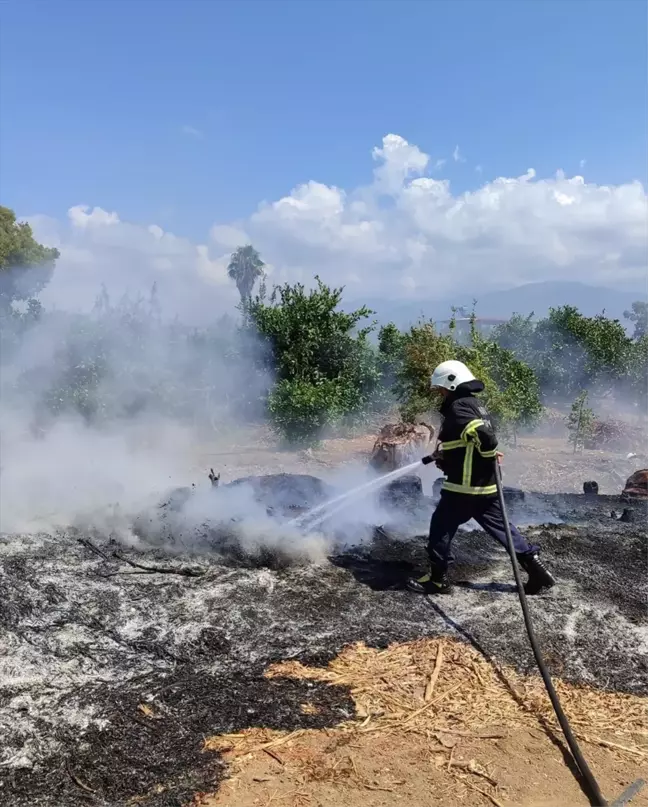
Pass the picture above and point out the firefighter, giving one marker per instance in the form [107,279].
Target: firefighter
[466,454]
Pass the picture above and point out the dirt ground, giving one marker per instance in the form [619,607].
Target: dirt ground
[323,769]
[435,725]
[542,464]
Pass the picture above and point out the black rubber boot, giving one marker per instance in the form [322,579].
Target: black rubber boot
[539,576]
[432,582]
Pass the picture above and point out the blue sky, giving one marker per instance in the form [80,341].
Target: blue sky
[95,98]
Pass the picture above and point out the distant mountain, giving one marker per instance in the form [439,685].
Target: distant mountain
[532,297]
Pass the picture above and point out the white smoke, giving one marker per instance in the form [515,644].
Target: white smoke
[103,411]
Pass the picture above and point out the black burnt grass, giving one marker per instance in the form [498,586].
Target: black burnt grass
[161,662]
[158,760]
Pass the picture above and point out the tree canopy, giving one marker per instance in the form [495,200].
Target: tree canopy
[638,314]
[511,389]
[569,351]
[245,268]
[25,265]
[297,357]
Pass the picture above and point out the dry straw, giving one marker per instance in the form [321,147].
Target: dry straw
[441,685]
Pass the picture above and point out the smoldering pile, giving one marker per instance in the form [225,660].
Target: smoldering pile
[254,521]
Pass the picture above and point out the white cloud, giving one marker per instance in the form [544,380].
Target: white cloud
[191,131]
[406,233]
[409,230]
[582,163]
[399,160]
[79,217]
[228,237]
[456,155]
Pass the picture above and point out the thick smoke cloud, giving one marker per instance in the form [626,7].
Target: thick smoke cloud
[103,412]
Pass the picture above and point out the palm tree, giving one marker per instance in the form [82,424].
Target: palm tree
[245,268]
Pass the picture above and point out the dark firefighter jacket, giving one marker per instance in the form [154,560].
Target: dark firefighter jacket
[468,443]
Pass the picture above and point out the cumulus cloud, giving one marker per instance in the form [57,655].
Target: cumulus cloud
[398,161]
[405,234]
[409,233]
[225,235]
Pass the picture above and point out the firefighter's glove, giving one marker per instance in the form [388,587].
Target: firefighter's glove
[440,461]
[436,458]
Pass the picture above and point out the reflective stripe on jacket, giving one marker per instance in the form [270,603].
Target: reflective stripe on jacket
[468,442]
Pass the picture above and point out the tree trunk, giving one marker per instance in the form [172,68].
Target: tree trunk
[400,444]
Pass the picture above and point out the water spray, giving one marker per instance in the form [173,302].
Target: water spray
[323,511]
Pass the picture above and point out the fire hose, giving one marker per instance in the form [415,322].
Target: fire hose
[590,783]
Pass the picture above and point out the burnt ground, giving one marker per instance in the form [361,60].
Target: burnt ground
[111,677]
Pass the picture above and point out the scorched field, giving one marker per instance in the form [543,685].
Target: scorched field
[252,673]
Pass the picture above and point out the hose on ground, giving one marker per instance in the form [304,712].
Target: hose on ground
[591,785]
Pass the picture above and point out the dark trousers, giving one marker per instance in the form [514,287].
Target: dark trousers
[455,509]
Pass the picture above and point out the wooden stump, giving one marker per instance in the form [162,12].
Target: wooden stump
[401,444]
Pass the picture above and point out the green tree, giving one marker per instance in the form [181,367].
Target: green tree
[511,390]
[569,351]
[326,371]
[423,348]
[519,402]
[639,316]
[518,335]
[245,268]
[608,348]
[636,381]
[391,344]
[25,265]
[580,422]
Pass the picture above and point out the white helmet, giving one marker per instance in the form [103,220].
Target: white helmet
[449,374]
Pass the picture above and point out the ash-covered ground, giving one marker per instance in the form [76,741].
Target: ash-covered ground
[111,676]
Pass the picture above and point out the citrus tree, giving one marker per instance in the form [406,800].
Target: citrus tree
[326,371]
[638,314]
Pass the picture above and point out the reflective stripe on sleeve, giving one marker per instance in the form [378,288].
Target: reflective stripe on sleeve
[450,444]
